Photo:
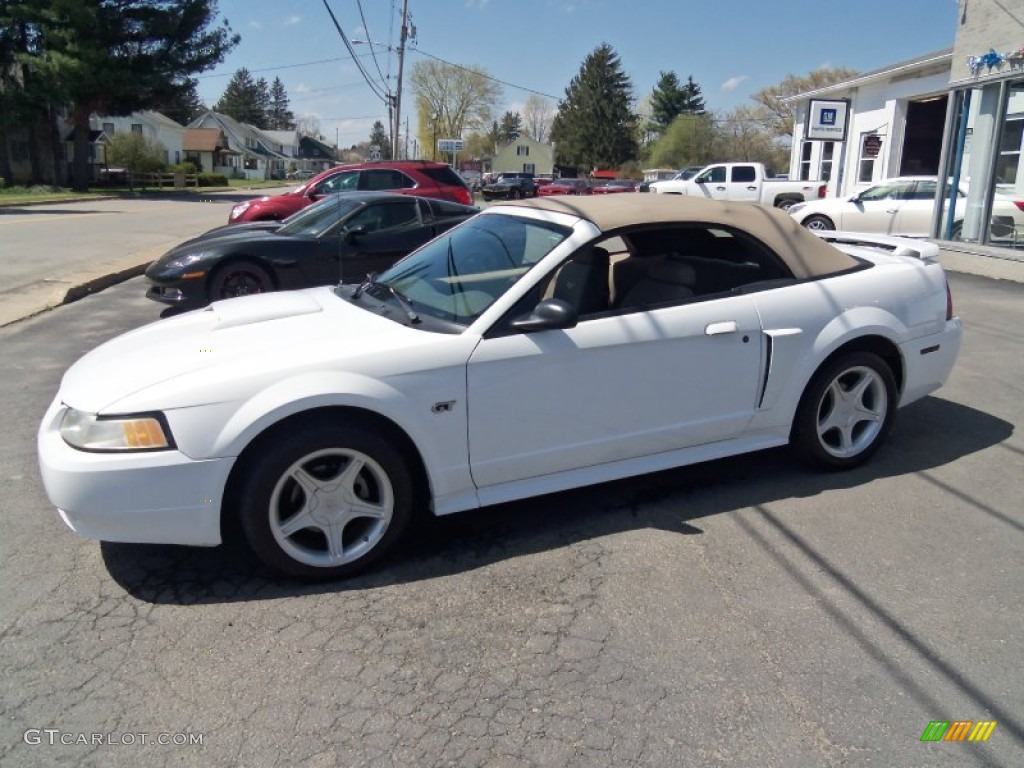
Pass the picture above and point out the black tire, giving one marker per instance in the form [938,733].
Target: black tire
[487,198]
[845,412]
[785,203]
[239,278]
[330,539]
[818,222]
[958,231]
[515,194]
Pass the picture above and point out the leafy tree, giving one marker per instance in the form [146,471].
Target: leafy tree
[243,100]
[379,137]
[510,128]
[451,100]
[689,140]
[778,116]
[136,153]
[595,126]
[118,56]
[743,135]
[537,115]
[279,117]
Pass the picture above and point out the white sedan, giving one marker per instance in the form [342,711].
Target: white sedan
[903,206]
[542,345]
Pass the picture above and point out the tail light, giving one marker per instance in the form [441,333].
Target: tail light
[949,302]
[1019,204]
[821,190]
[464,196]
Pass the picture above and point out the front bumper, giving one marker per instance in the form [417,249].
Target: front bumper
[160,497]
[178,293]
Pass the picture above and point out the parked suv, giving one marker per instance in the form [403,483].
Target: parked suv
[510,186]
[410,177]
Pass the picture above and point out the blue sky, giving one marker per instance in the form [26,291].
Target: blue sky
[732,48]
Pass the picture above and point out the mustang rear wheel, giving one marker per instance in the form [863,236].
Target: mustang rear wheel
[846,411]
[326,501]
[239,278]
[819,222]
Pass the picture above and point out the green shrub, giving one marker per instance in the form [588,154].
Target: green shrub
[212,180]
[188,168]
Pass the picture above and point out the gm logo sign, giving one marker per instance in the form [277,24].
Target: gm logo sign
[958,730]
[828,116]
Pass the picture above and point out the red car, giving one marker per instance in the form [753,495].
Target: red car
[617,185]
[565,187]
[408,177]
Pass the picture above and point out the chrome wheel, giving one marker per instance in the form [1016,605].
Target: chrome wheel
[820,223]
[851,412]
[331,507]
[846,411]
[323,498]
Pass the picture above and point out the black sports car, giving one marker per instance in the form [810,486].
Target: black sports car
[342,238]
[510,186]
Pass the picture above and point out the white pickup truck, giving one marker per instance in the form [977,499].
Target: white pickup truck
[747,182]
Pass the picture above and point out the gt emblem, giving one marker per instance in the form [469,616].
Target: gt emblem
[442,407]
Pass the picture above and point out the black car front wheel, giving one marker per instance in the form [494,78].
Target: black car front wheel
[239,278]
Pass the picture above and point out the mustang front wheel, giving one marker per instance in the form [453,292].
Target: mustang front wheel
[326,501]
[846,411]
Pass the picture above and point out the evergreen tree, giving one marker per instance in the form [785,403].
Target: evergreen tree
[241,99]
[693,99]
[595,126]
[510,128]
[379,137]
[184,105]
[279,117]
[667,102]
[117,56]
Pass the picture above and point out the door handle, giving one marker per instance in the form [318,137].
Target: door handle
[892,210]
[720,189]
[716,329]
[752,188]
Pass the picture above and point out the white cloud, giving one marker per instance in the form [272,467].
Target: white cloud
[255,24]
[292,21]
[302,88]
[734,82]
[477,3]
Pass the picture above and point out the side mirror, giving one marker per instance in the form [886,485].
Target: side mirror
[549,314]
[355,232]
[855,198]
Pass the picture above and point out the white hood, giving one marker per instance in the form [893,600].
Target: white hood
[232,348]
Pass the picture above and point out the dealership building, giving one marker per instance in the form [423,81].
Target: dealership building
[957,114]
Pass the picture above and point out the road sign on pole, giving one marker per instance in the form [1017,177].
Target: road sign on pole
[450,145]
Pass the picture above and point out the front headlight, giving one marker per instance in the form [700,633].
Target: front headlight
[239,209]
[183,262]
[136,432]
[796,207]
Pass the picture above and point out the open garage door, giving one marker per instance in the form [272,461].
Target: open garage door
[922,138]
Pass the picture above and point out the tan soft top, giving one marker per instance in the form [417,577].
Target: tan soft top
[804,253]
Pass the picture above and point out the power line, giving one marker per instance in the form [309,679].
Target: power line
[484,74]
[383,93]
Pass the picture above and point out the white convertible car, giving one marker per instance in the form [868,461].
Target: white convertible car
[542,345]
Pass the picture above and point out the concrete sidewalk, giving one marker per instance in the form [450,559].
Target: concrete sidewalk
[47,293]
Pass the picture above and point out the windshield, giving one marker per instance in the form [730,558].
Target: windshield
[313,220]
[457,276]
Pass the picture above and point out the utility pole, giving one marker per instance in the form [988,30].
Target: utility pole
[397,124]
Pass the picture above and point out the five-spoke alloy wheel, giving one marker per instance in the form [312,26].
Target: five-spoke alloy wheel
[239,278]
[846,411]
[326,501]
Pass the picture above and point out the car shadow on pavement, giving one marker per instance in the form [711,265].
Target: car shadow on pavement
[928,434]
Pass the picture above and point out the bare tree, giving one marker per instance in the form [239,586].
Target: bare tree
[307,125]
[538,113]
[779,116]
[451,100]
